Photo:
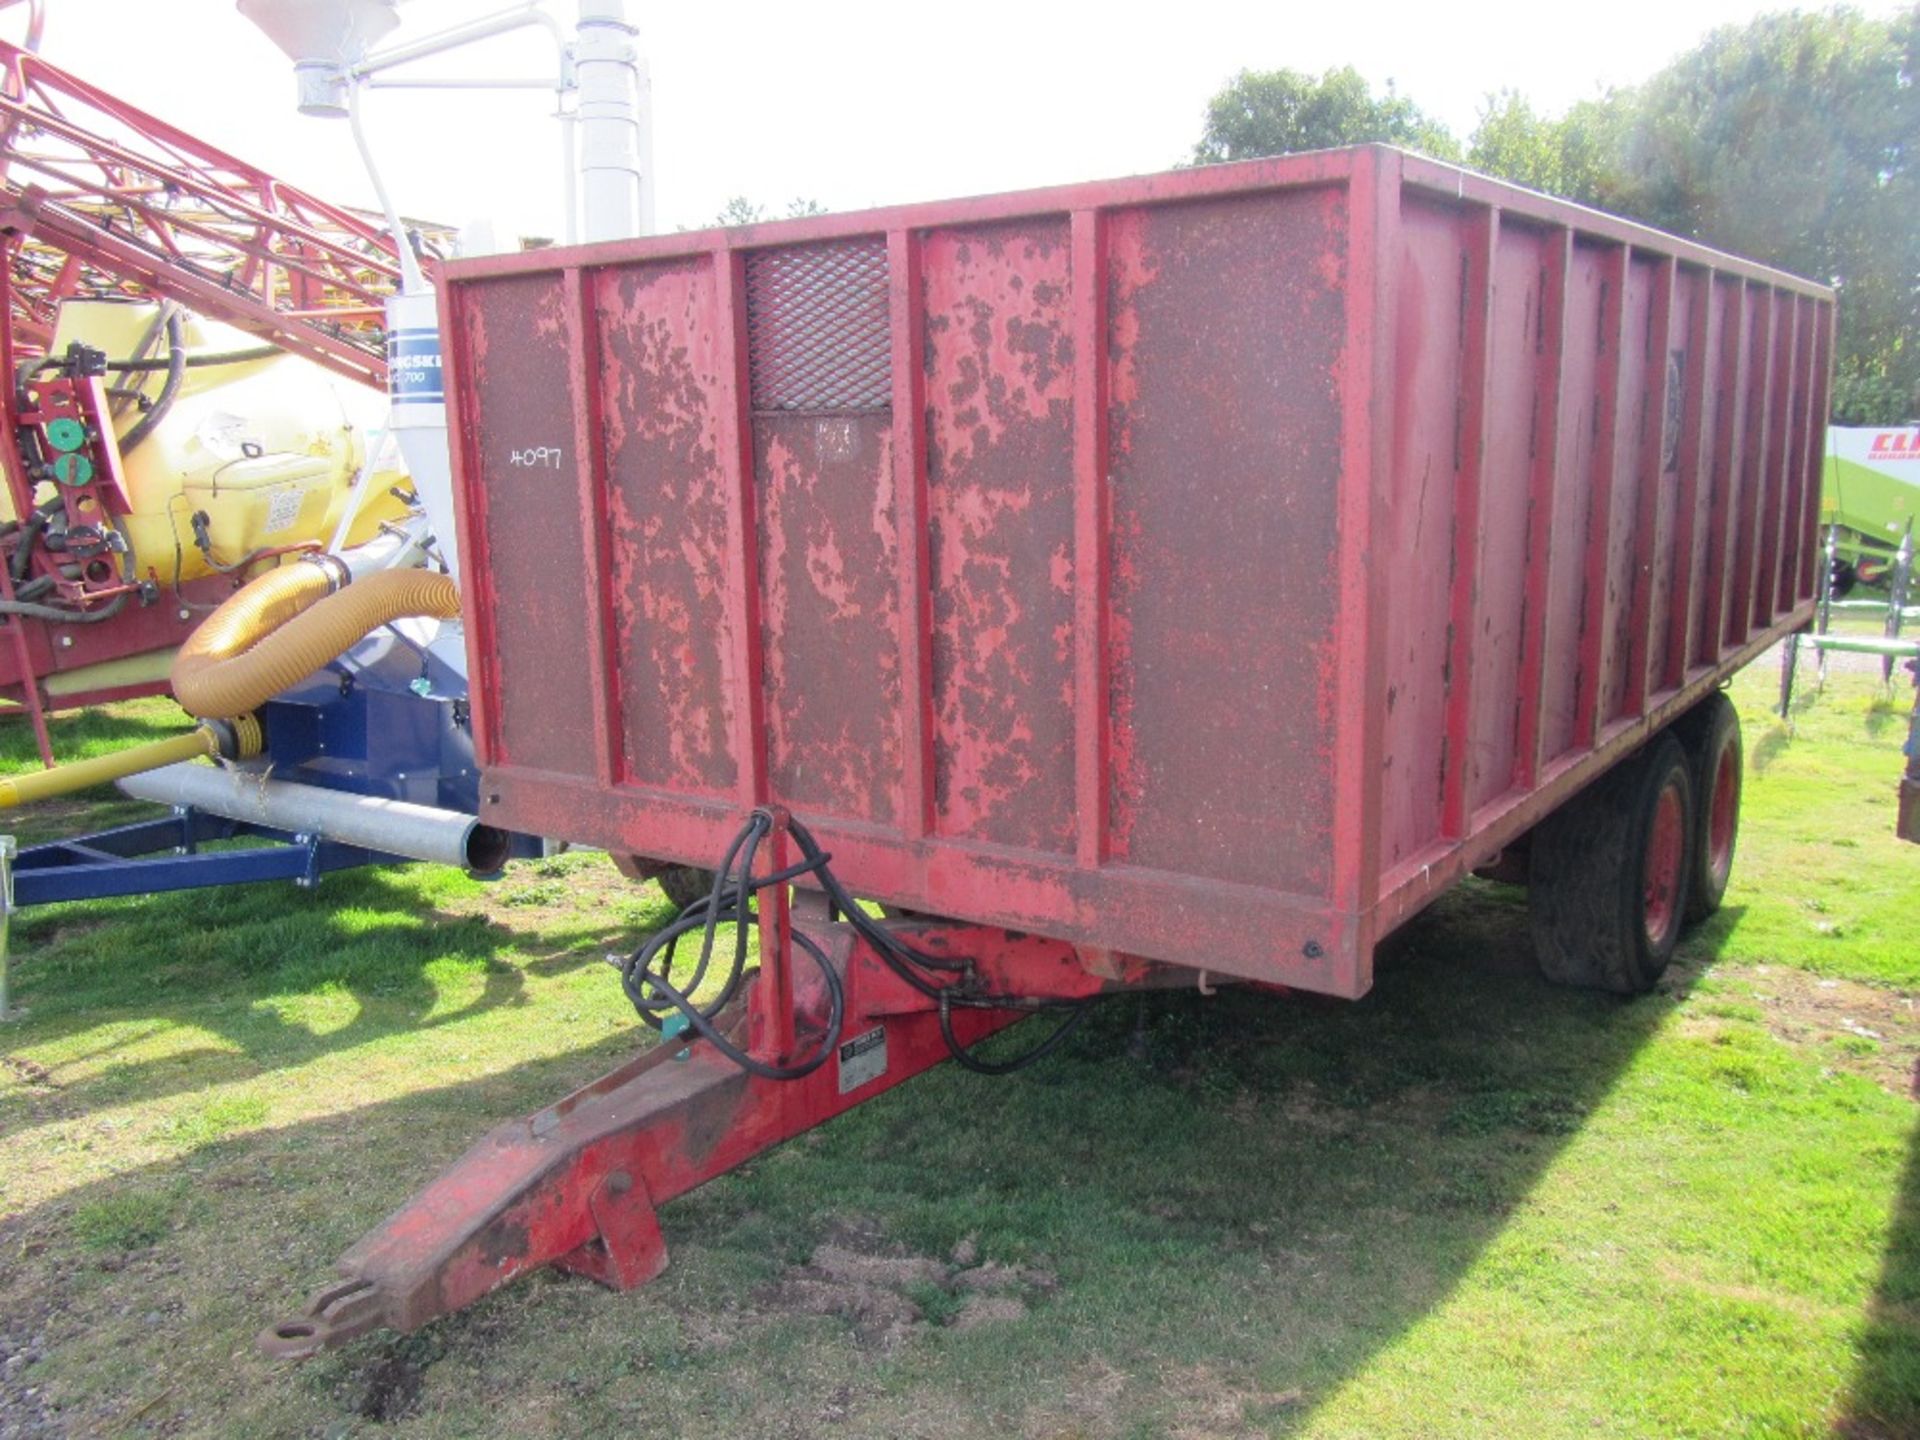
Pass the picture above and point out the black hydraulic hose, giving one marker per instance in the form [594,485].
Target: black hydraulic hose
[34,365]
[176,363]
[908,962]
[60,616]
[29,537]
[646,975]
[967,1060]
[197,362]
[30,534]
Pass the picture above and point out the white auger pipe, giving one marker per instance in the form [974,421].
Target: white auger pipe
[616,140]
[397,827]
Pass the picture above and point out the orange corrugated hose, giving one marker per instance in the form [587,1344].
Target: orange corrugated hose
[284,625]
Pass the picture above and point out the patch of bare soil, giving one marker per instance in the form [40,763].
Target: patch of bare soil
[1866,1030]
[885,1292]
[393,1389]
[1213,1408]
[1103,1400]
[29,1072]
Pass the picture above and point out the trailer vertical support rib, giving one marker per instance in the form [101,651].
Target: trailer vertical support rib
[1760,396]
[1723,469]
[907,346]
[1822,388]
[1543,490]
[1591,689]
[1807,428]
[1366,441]
[1087,235]
[460,368]
[1693,460]
[1785,562]
[1749,386]
[583,348]
[733,408]
[1650,464]
[1773,476]
[1469,476]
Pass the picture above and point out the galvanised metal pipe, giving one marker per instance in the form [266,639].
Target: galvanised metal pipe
[613,123]
[396,827]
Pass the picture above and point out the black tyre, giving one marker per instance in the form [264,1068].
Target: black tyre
[1711,734]
[684,884]
[1607,892]
[1841,578]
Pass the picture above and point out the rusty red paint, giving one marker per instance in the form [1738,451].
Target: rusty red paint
[1238,557]
[666,518]
[999,379]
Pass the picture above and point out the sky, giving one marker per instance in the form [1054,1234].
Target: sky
[854,103]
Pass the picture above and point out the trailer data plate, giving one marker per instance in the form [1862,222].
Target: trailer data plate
[863,1058]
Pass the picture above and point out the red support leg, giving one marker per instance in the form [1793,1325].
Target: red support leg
[773,1037]
[29,682]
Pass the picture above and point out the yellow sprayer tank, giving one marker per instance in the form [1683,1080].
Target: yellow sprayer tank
[266,447]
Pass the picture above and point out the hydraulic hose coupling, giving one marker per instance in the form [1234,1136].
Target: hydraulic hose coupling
[239,738]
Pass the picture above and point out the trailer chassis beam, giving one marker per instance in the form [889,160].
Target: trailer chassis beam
[579,1183]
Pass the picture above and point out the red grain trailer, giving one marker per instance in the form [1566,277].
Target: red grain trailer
[1169,581]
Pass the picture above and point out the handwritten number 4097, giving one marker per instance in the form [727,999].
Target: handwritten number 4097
[537,457]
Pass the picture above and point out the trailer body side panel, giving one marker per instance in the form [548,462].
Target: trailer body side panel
[1207,567]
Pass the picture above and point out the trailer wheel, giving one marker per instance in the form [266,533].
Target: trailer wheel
[1711,734]
[684,884]
[1607,895]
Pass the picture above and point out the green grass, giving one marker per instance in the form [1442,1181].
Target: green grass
[124,1220]
[1467,1205]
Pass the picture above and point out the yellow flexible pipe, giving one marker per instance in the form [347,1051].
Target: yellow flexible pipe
[283,626]
[239,741]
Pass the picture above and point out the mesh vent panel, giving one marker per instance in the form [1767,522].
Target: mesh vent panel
[817,332]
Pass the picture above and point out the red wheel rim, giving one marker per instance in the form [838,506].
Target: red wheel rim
[1723,817]
[1666,848]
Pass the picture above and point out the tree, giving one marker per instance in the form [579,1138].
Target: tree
[1572,155]
[739,210]
[1793,139]
[1276,112]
